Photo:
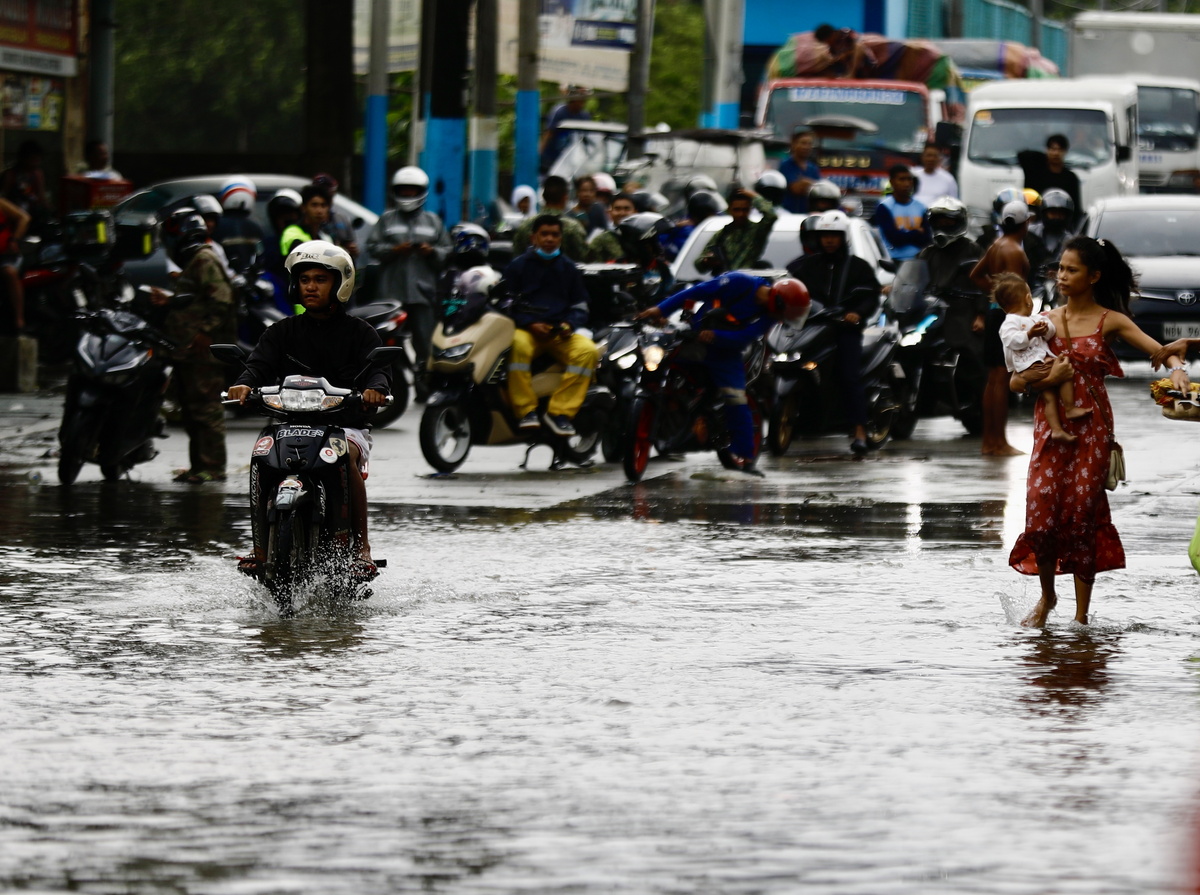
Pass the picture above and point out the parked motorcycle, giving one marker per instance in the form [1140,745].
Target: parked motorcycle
[942,378]
[300,464]
[676,407]
[806,396]
[469,403]
[111,413]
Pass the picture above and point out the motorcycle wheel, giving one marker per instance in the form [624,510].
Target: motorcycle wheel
[74,446]
[612,440]
[781,428]
[288,550]
[400,398]
[112,473]
[69,465]
[881,416]
[445,436]
[638,439]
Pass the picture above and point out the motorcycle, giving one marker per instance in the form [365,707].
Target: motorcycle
[676,408]
[300,465]
[389,319]
[111,412]
[942,378]
[469,401]
[806,396]
[255,298]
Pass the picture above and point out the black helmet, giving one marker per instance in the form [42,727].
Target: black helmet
[639,235]
[824,195]
[947,220]
[809,239]
[700,182]
[772,186]
[1058,199]
[182,232]
[703,204]
[283,202]
[642,200]
[1006,195]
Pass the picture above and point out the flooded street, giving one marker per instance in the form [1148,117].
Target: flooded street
[813,682]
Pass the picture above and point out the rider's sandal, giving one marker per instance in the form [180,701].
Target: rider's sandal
[363,570]
[250,565]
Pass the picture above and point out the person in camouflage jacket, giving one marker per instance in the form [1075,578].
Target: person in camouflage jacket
[740,243]
[199,314]
[554,201]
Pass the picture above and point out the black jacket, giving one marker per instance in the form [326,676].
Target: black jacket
[839,280]
[545,291]
[336,349]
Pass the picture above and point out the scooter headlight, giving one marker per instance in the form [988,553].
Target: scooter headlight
[786,357]
[653,356]
[625,361]
[456,352]
[302,400]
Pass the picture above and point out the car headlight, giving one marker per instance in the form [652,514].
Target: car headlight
[456,352]
[625,361]
[653,356]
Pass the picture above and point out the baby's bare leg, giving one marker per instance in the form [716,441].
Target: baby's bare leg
[1066,392]
[1050,408]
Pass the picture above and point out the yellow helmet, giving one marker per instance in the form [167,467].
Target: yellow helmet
[1032,198]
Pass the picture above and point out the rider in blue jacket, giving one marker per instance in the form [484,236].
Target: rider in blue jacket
[730,312]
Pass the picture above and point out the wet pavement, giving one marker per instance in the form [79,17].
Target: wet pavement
[564,683]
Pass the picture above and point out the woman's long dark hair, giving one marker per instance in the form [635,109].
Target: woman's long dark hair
[1117,279]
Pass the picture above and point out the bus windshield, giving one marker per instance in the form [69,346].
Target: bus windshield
[899,115]
[997,135]
[1167,118]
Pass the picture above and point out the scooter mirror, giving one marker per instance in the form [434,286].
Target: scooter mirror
[228,354]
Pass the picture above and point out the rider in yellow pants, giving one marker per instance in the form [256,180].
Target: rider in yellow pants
[577,353]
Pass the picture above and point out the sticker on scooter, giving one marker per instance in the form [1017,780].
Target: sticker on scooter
[329,455]
[338,445]
[263,446]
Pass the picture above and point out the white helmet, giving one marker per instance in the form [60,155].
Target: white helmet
[238,194]
[206,205]
[410,175]
[700,182]
[833,222]
[604,183]
[477,281]
[772,178]
[319,253]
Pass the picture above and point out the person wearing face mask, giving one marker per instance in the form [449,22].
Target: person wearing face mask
[549,304]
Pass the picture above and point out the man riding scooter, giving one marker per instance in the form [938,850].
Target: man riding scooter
[841,280]
[323,341]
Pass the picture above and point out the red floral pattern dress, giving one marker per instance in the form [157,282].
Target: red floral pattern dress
[1066,506]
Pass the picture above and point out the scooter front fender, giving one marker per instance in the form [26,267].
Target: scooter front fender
[447,394]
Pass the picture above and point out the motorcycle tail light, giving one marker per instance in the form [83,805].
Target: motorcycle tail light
[395,322]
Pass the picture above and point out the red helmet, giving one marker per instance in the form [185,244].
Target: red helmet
[788,300]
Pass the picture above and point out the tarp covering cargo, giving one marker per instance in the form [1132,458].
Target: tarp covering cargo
[977,58]
[866,56]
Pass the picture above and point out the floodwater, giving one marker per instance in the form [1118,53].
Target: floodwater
[690,686]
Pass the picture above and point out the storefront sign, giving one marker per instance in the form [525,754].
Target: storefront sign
[39,36]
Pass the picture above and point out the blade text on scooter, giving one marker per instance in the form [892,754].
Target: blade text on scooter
[298,432]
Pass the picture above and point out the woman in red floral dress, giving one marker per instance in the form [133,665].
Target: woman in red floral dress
[1068,529]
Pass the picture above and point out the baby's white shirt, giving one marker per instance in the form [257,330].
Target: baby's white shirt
[1021,351]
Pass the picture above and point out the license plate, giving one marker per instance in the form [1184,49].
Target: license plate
[1181,331]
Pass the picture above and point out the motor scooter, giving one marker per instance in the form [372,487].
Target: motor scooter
[111,412]
[299,465]
[807,397]
[390,320]
[942,377]
[469,402]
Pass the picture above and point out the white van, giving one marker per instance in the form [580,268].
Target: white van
[1098,116]
[1167,134]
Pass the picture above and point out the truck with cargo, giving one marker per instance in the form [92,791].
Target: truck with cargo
[1160,52]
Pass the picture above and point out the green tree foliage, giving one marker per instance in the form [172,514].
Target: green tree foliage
[209,75]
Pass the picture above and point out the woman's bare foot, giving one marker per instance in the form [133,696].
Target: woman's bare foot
[1005,450]
[1062,435]
[1076,412]
[1038,615]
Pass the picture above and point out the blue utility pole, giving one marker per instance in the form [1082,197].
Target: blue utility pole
[375,148]
[484,170]
[529,104]
[446,131]
[724,22]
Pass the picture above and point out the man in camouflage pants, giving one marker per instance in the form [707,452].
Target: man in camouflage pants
[201,313]
[740,243]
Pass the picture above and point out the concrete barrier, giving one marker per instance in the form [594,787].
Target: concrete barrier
[18,364]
